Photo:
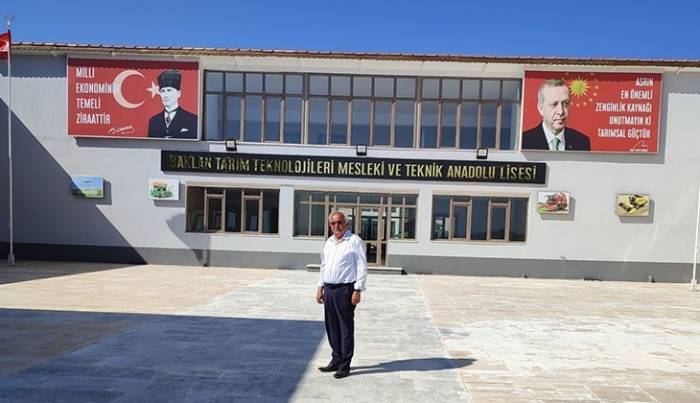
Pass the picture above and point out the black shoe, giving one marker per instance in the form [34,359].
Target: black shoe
[341,373]
[329,368]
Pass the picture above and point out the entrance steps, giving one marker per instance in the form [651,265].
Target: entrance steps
[370,269]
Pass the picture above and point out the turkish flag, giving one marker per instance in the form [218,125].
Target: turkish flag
[5,45]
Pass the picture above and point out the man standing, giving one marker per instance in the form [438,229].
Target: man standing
[173,121]
[341,281]
[553,103]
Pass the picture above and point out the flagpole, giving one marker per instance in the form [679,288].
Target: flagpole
[11,256]
[694,281]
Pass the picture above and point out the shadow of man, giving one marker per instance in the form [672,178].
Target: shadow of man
[418,364]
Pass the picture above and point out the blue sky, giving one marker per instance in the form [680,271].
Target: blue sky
[620,29]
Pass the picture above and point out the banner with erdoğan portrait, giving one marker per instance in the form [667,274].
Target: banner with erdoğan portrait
[133,99]
[599,112]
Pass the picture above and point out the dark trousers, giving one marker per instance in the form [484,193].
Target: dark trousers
[339,315]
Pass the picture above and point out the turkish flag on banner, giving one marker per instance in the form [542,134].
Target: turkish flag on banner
[5,45]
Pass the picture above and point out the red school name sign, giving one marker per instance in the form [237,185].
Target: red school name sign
[118,98]
[619,112]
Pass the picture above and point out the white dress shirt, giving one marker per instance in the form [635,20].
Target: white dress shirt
[344,261]
[551,136]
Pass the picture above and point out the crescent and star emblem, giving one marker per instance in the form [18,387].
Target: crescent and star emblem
[117,89]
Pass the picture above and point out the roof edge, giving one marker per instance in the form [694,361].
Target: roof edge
[204,51]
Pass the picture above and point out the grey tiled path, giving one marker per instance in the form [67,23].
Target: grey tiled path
[110,333]
[260,341]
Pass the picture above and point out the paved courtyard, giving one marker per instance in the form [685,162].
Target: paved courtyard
[78,332]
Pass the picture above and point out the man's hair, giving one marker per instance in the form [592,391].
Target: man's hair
[170,78]
[340,213]
[553,82]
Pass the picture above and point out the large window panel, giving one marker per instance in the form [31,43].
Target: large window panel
[518,220]
[253,83]
[509,121]
[361,121]
[195,209]
[448,126]
[488,125]
[272,118]
[252,214]
[404,124]
[339,122]
[214,81]
[293,84]
[292,120]
[270,218]
[234,82]
[213,124]
[468,126]
[273,83]
[233,210]
[382,123]
[498,222]
[441,217]
[318,219]
[233,117]
[253,118]
[480,217]
[460,218]
[429,124]
[318,118]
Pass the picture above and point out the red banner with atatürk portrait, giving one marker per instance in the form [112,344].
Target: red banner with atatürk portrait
[133,99]
[591,111]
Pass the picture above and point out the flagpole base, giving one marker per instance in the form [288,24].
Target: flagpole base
[11,259]
[693,284]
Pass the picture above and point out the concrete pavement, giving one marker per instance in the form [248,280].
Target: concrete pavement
[112,333]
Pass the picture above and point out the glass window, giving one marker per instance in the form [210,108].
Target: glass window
[518,219]
[339,122]
[370,198]
[490,89]
[470,89]
[384,87]
[511,90]
[215,81]
[361,86]
[406,87]
[233,117]
[251,215]
[468,125]
[448,128]
[293,84]
[450,89]
[318,196]
[213,124]
[509,116]
[273,83]
[233,210]
[441,217]
[431,88]
[459,221]
[214,223]
[360,121]
[301,219]
[404,124]
[270,219]
[340,85]
[410,200]
[318,85]
[318,117]
[195,209]
[488,125]
[480,216]
[429,120]
[409,223]
[318,219]
[292,120]
[253,83]
[253,118]
[382,123]
[498,222]
[272,118]
[234,82]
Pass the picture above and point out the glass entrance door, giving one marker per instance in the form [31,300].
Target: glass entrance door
[371,227]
